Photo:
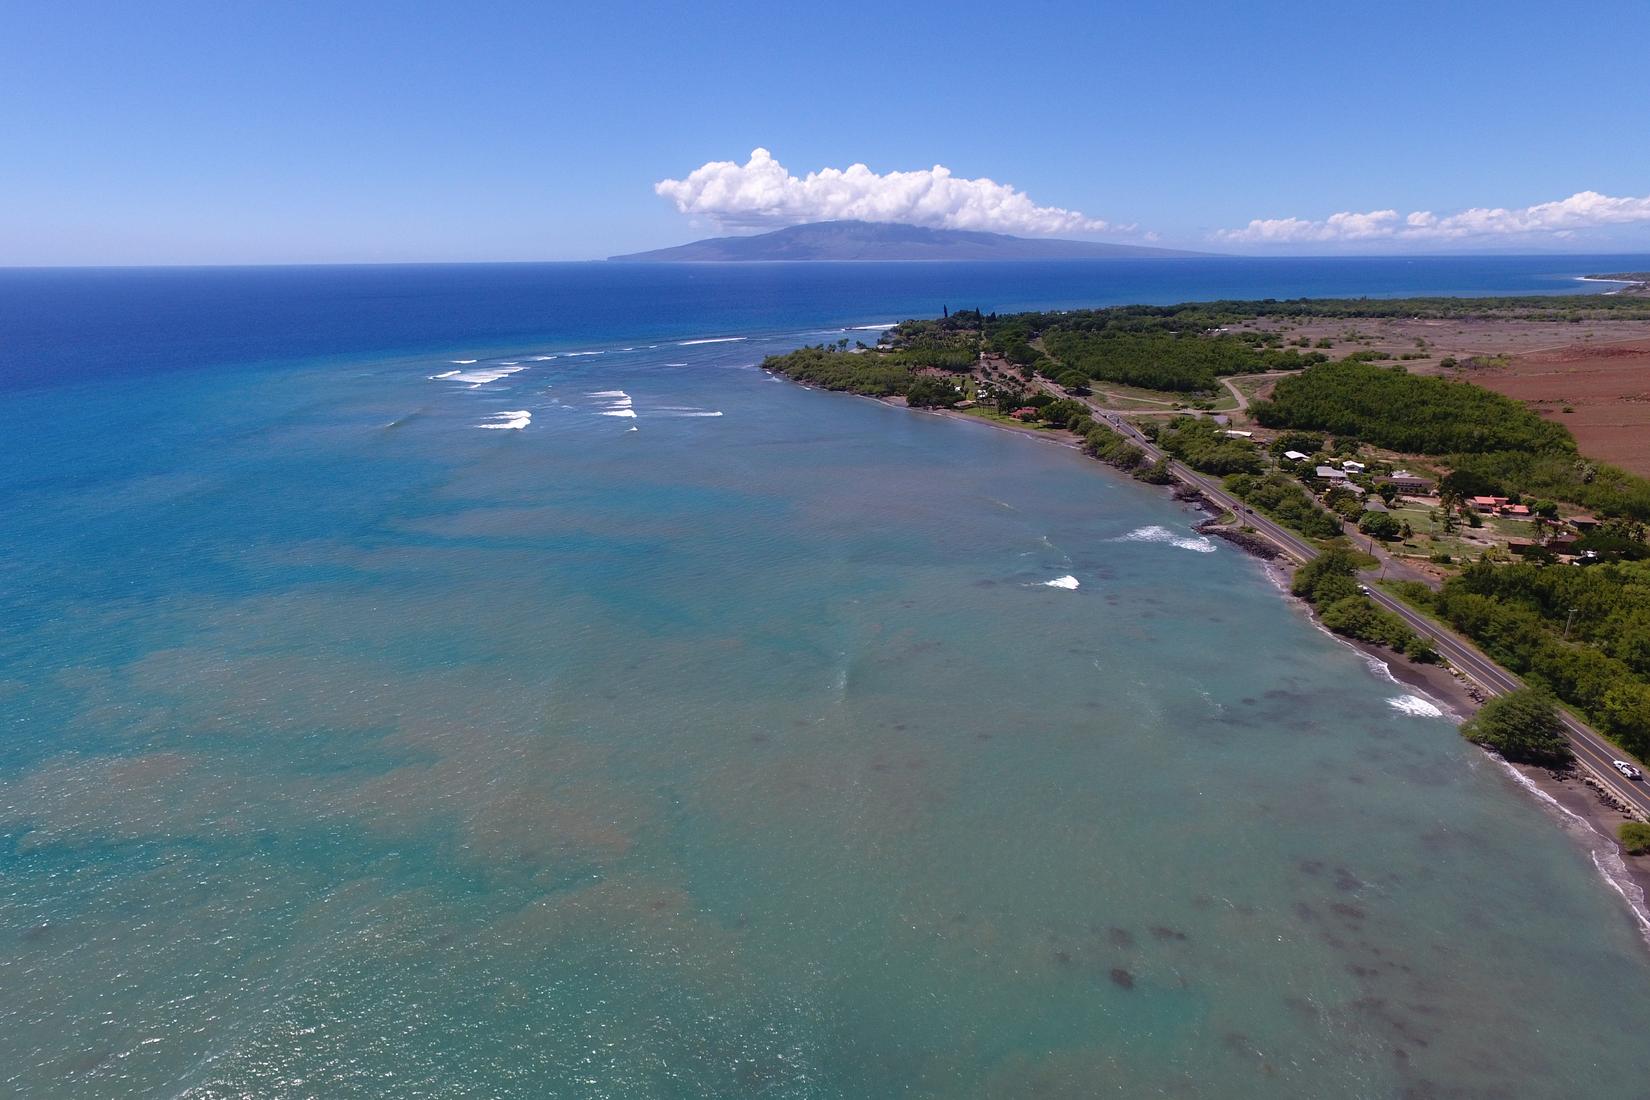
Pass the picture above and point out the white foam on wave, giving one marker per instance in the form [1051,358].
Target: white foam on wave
[461,362]
[445,374]
[711,340]
[576,354]
[873,328]
[1414,706]
[608,393]
[1067,581]
[693,412]
[620,412]
[1155,533]
[508,421]
[675,364]
[542,358]
[482,377]
[1605,854]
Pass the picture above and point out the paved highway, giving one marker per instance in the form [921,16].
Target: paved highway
[1591,749]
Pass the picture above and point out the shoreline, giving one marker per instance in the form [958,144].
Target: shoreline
[1570,796]
[1580,806]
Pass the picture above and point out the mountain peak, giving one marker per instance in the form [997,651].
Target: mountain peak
[858,240]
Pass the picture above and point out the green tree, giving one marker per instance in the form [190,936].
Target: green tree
[1380,525]
[1522,726]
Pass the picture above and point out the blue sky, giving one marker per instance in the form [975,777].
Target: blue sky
[298,132]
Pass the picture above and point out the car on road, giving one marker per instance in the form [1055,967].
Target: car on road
[1626,769]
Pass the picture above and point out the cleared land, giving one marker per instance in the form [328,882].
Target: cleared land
[1601,392]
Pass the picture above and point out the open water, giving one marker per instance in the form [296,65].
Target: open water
[484,681]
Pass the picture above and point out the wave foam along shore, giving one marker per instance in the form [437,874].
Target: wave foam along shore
[711,340]
[1155,533]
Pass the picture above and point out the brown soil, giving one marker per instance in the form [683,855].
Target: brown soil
[1604,387]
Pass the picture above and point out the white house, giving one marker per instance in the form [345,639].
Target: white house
[1352,466]
[1295,456]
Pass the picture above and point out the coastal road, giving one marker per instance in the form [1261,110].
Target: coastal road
[1591,748]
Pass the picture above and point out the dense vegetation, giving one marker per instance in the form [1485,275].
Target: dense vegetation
[1495,444]
[1284,499]
[1108,446]
[1183,362]
[1203,445]
[1414,413]
[1329,582]
[1635,837]
[1583,634]
[1522,726]
[831,369]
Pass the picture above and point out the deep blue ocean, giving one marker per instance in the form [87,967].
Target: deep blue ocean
[486,681]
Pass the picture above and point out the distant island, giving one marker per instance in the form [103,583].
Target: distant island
[856,240]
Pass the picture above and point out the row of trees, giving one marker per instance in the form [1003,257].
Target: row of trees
[1516,627]
[1284,499]
[1329,582]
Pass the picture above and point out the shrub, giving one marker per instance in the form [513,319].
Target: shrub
[1522,726]
[1635,837]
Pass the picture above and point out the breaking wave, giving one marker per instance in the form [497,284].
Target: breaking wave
[711,340]
[1155,533]
[482,377]
[1067,581]
[1414,706]
[508,421]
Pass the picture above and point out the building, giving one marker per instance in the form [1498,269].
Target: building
[1331,475]
[1296,456]
[1375,504]
[1236,434]
[1406,482]
[1353,467]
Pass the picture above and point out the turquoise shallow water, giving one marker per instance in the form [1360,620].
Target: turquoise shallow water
[352,749]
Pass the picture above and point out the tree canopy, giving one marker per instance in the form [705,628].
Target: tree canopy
[1522,726]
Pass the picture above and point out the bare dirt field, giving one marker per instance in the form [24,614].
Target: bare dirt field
[1601,392]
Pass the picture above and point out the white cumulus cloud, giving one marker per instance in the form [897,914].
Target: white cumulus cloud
[763,193]
[1582,210]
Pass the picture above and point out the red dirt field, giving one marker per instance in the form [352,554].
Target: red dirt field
[1606,385]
